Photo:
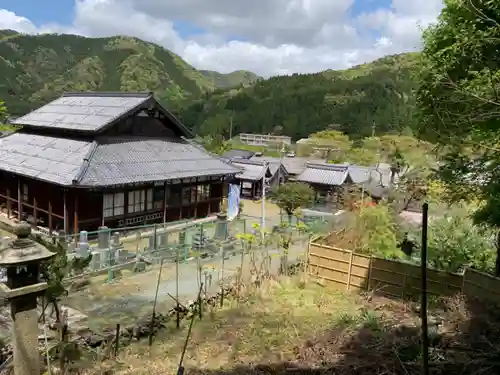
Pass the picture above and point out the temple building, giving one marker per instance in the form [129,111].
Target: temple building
[115,159]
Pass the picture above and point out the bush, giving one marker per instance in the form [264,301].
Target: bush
[454,242]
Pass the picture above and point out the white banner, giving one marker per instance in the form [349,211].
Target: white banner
[233,201]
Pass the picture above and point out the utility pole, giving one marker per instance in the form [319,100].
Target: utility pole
[282,154]
[263,202]
[231,126]
[374,126]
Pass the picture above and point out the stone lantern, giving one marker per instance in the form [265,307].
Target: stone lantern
[22,258]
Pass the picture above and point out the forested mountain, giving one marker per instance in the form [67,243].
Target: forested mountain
[232,79]
[35,69]
[378,94]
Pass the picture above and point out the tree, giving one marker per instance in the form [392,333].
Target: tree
[369,229]
[459,102]
[454,242]
[3,111]
[291,196]
[3,117]
[217,144]
[54,272]
[278,130]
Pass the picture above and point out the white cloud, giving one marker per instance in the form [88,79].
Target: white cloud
[264,36]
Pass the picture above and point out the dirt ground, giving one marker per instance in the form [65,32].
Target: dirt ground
[254,209]
[293,325]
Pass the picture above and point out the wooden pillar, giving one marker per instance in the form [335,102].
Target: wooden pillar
[164,202]
[9,204]
[50,218]
[102,209]
[181,203]
[196,200]
[35,212]
[19,201]
[65,213]
[75,216]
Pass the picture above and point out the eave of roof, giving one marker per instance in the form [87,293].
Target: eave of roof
[251,170]
[106,162]
[65,114]
[324,174]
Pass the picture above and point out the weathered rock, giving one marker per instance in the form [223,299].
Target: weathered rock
[78,285]
[139,266]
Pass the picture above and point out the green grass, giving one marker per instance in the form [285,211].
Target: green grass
[263,327]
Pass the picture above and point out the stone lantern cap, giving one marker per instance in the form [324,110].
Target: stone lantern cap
[23,250]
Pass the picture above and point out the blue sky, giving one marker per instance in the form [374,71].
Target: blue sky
[41,12]
[259,36]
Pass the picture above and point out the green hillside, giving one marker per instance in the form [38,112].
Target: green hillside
[38,68]
[380,94]
[232,79]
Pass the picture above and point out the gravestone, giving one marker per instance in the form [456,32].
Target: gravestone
[103,237]
[221,227]
[83,245]
[199,239]
[113,253]
[140,265]
[162,240]
[95,263]
[151,242]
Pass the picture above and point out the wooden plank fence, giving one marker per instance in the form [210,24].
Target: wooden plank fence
[349,271]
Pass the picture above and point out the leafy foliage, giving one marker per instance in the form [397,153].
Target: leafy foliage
[379,93]
[292,196]
[369,229]
[37,68]
[57,269]
[454,242]
[233,79]
[3,117]
[458,101]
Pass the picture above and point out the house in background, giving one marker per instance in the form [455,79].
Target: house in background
[252,175]
[115,159]
[294,165]
[237,154]
[264,139]
[331,182]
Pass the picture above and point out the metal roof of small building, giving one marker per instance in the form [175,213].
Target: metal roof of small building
[106,162]
[376,180]
[91,111]
[242,154]
[324,174]
[251,170]
[293,165]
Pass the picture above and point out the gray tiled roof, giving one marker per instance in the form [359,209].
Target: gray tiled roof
[55,160]
[91,111]
[295,165]
[324,174]
[243,154]
[122,161]
[106,162]
[251,170]
[83,111]
[375,180]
